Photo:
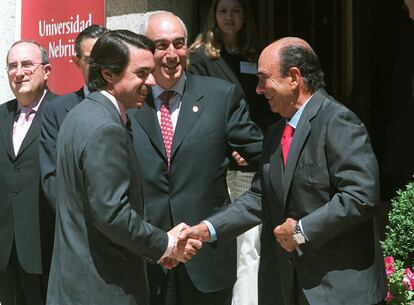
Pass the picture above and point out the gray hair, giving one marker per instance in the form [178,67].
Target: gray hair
[43,52]
[143,26]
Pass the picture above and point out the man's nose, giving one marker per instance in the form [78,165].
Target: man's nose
[150,81]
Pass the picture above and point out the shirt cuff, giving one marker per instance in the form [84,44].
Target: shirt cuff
[212,231]
[301,228]
[169,248]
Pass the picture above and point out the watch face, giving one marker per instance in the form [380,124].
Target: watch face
[299,238]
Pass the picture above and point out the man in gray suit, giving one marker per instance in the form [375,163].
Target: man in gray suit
[100,232]
[317,190]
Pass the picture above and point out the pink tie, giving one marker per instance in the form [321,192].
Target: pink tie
[167,129]
[21,127]
[286,141]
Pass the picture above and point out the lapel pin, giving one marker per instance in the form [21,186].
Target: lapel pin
[195,109]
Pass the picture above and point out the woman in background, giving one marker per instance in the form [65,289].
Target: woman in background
[228,49]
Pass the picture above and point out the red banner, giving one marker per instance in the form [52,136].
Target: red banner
[55,25]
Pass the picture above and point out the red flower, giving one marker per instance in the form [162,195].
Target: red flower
[388,297]
[389,265]
[409,279]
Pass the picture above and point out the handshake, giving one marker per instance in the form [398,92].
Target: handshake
[187,242]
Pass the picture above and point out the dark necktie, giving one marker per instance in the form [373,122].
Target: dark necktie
[167,129]
[286,141]
[129,127]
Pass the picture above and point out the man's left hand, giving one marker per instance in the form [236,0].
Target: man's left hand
[284,234]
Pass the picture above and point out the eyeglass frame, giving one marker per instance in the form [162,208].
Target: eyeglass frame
[27,70]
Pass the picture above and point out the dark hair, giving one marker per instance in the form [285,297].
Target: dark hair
[210,38]
[111,51]
[306,60]
[43,52]
[91,32]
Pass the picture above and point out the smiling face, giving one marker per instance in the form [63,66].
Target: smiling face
[131,87]
[278,90]
[170,55]
[230,17]
[27,83]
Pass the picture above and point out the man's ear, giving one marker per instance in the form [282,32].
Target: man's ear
[295,76]
[107,75]
[47,68]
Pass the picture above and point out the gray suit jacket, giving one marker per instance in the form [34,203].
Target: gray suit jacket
[99,227]
[331,184]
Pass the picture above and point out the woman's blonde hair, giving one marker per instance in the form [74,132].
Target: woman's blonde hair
[211,40]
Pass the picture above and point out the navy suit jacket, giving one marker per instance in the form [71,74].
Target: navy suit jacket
[53,115]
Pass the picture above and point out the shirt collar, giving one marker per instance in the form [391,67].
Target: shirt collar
[32,106]
[178,87]
[118,105]
[85,90]
[296,117]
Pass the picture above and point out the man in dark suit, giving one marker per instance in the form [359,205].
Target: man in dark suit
[100,229]
[54,113]
[317,190]
[187,182]
[26,222]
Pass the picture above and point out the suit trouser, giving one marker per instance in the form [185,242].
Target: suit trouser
[176,288]
[17,287]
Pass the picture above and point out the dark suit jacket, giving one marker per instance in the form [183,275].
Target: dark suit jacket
[99,227]
[53,116]
[213,121]
[331,184]
[25,218]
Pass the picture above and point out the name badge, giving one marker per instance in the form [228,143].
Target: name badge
[248,67]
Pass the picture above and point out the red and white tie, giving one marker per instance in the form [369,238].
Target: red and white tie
[167,129]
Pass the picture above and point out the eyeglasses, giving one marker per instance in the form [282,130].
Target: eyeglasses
[27,66]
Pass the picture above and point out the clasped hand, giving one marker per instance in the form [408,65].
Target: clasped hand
[185,247]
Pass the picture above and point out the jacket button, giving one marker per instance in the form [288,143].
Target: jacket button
[172,197]
[15,192]
[17,168]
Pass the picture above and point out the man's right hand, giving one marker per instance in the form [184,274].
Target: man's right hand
[199,232]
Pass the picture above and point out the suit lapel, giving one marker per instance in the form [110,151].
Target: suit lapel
[276,166]
[34,130]
[7,127]
[190,110]
[147,118]
[299,138]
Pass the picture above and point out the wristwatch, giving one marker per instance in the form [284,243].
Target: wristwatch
[297,235]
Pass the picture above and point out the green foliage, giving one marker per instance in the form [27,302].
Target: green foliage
[399,236]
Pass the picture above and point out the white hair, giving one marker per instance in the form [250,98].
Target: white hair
[143,26]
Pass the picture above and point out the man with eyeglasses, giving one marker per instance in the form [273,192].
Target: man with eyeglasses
[54,113]
[26,222]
